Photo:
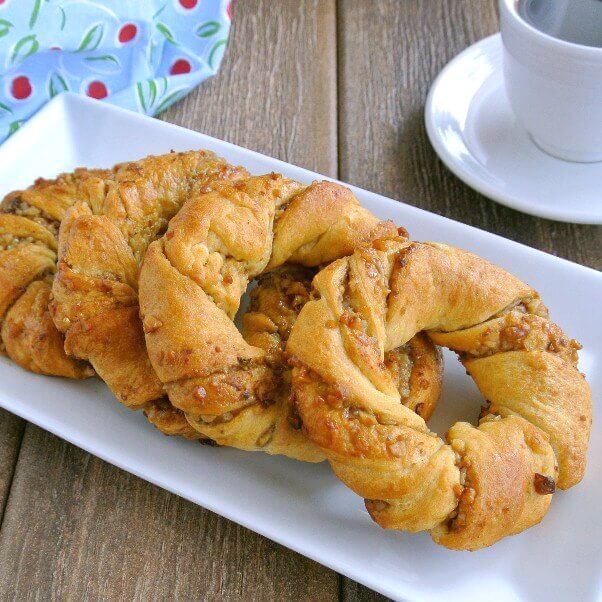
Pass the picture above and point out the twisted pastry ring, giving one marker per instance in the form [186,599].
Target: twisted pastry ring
[486,482]
[99,222]
[101,243]
[141,196]
[234,388]
[29,223]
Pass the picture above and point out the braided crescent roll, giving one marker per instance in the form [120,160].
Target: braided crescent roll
[234,388]
[486,482]
[29,222]
[29,226]
[101,242]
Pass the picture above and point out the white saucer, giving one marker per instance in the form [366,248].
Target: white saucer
[473,130]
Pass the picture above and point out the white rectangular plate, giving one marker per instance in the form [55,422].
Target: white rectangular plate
[303,506]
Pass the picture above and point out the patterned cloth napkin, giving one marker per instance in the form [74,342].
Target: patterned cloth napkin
[143,55]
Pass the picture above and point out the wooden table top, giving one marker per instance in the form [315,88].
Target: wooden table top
[339,88]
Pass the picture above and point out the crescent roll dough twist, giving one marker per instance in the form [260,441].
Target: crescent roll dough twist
[486,482]
[101,242]
[232,387]
[29,226]
[29,222]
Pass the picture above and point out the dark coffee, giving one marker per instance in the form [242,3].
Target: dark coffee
[577,21]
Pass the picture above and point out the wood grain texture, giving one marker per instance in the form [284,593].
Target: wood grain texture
[389,54]
[276,90]
[11,433]
[77,528]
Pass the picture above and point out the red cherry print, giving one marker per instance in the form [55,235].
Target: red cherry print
[188,4]
[127,33]
[180,66]
[20,87]
[97,90]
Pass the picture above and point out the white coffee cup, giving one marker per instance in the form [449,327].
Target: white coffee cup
[554,87]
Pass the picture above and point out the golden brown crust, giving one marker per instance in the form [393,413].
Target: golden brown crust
[308,227]
[29,221]
[488,481]
[31,338]
[142,196]
[19,266]
[499,463]
[549,392]
[233,387]
[100,243]
[47,201]
[169,420]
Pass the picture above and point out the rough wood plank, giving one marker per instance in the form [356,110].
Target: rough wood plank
[276,91]
[11,433]
[389,53]
[78,528]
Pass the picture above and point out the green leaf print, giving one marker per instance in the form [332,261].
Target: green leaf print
[24,47]
[105,58]
[140,93]
[14,126]
[207,29]
[34,13]
[56,84]
[147,100]
[63,17]
[4,27]
[152,88]
[170,99]
[92,38]
[6,108]
[215,48]
[159,11]
[167,33]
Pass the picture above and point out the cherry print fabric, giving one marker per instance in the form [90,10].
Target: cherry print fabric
[140,55]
